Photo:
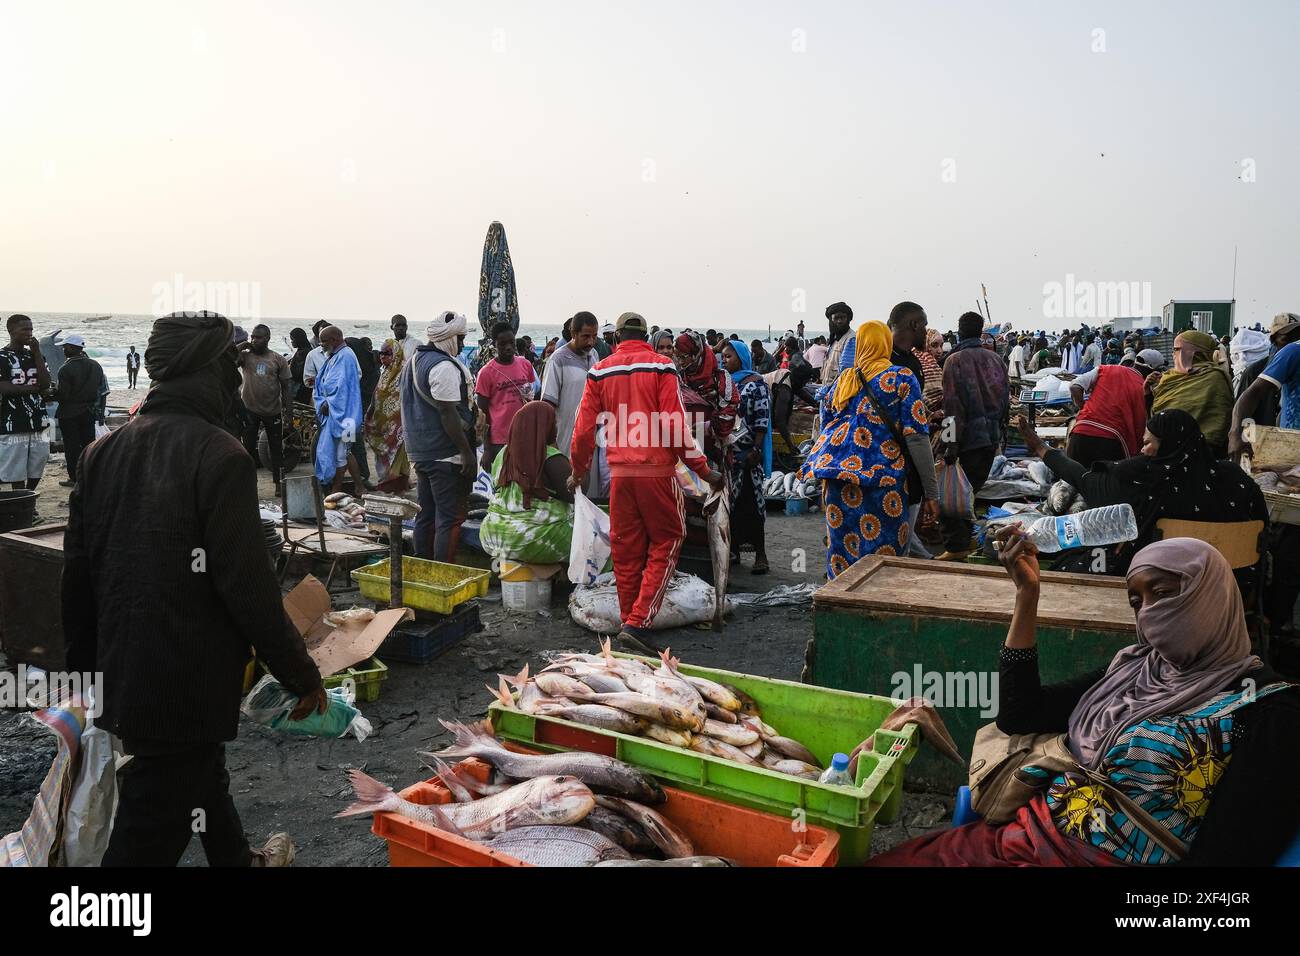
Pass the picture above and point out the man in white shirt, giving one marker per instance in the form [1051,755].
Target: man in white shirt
[316,358]
[1018,360]
[563,382]
[401,338]
[438,429]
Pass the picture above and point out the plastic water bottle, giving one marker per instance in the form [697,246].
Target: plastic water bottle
[1083,529]
[838,772]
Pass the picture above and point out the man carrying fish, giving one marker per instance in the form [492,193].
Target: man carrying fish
[635,394]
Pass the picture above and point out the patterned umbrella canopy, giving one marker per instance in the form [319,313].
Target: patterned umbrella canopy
[498,300]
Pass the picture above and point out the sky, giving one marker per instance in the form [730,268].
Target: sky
[738,164]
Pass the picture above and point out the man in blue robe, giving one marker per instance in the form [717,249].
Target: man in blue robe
[337,398]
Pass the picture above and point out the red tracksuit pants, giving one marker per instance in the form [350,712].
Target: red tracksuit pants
[647,525]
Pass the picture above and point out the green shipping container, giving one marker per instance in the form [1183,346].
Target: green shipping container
[902,627]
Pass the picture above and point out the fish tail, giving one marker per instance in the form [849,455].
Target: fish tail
[372,796]
[469,739]
[605,650]
[502,693]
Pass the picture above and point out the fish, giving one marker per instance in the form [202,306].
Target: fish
[715,712]
[791,748]
[716,748]
[479,787]
[717,509]
[558,846]
[601,773]
[735,734]
[665,834]
[555,684]
[549,800]
[530,699]
[681,861]
[459,792]
[668,735]
[795,768]
[604,683]
[748,705]
[713,692]
[619,828]
[765,730]
[606,718]
[751,750]
[933,731]
[660,711]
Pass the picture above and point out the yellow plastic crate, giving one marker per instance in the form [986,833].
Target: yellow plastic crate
[426,585]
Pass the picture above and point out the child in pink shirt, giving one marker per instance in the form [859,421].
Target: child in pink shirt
[505,385]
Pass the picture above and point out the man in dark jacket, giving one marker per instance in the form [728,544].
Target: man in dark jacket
[976,401]
[166,586]
[78,396]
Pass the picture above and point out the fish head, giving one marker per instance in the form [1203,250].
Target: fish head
[561,799]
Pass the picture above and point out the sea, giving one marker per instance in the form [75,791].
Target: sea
[108,336]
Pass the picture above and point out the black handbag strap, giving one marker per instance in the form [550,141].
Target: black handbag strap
[914,485]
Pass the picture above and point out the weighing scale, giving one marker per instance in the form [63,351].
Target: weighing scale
[1031,398]
[396,509]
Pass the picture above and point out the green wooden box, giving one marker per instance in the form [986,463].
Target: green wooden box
[902,627]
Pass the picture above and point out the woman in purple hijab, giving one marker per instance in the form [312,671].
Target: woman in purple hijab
[1186,726]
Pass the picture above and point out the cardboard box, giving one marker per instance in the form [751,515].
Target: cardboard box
[337,648]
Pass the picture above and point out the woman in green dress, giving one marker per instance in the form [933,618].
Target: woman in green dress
[530,518]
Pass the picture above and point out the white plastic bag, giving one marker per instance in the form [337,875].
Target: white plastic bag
[100,430]
[88,822]
[687,601]
[590,550]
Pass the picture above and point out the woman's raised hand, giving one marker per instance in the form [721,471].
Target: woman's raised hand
[1018,555]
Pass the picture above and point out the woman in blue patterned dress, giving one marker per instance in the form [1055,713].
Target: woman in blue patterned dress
[863,469]
[751,454]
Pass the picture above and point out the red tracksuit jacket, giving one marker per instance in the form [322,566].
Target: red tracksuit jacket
[636,395]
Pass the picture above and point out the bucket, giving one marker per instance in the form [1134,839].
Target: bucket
[796,506]
[17,510]
[299,499]
[526,595]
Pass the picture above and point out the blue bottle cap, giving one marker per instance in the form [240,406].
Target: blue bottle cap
[840,762]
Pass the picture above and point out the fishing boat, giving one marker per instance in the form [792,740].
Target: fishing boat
[98,318]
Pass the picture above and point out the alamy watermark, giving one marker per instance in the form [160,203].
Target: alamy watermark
[36,688]
[959,689]
[232,299]
[1083,299]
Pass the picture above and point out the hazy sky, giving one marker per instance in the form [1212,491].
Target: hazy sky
[699,162]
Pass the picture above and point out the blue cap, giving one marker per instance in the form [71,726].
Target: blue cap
[840,762]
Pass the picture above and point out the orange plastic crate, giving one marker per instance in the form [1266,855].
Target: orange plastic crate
[750,837]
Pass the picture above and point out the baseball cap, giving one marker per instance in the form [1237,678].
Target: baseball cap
[630,321]
[76,340]
[1283,323]
[1151,358]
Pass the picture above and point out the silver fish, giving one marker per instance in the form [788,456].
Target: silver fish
[595,770]
[555,684]
[737,735]
[713,692]
[558,846]
[718,713]
[551,800]
[717,508]
[660,710]
[792,748]
[606,718]
[665,834]
[716,748]
[683,861]
[604,683]
[668,735]
[620,829]
[459,792]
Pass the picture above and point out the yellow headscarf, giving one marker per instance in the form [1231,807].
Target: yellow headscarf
[874,344]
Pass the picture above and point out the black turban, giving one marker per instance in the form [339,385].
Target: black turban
[839,307]
[185,342]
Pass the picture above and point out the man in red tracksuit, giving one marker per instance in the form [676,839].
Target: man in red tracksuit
[635,395]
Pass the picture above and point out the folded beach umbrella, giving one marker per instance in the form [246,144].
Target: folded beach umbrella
[498,300]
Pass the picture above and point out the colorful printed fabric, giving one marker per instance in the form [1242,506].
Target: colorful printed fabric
[537,535]
[384,426]
[748,503]
[864,471]
[1168,765]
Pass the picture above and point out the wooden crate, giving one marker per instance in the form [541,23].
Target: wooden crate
[1274,449]
[31,614]
[887,617]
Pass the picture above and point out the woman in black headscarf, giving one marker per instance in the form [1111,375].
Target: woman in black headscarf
[301,346]
[1175,476]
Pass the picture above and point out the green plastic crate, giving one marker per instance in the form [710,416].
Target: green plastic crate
[366,676]
[428,585]
[824,720]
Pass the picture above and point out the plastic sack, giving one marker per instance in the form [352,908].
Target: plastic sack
[590,549]
[692,485]
[270,702]
[88,820]
[956,500]
[688,600]
[100,429]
